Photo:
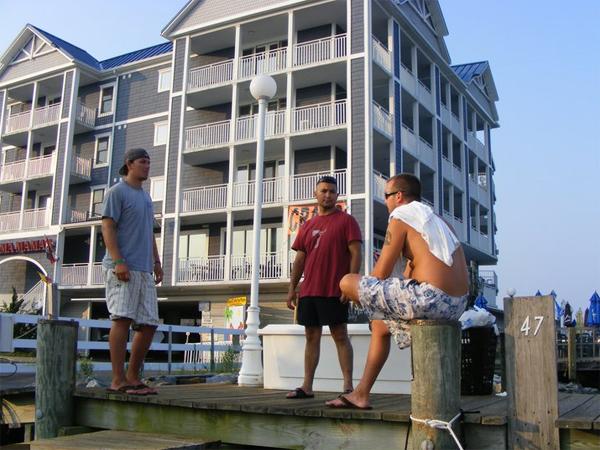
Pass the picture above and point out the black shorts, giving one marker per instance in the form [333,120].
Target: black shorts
[319,311]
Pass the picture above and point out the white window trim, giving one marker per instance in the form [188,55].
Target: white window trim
[112,106]
[92,189]
[161,73]
[154,180]
[98,137]
[156,126]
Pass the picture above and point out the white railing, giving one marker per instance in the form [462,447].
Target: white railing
[9,221]
[489,277]
[270,267]
[207,268]
[17,122]
[12,172]
[74,274]
[217,73]
[379,182]
[264,62]
[319,50]
[243,192]
[97,274]
[41,166]
[409,140]
[303,185]
[382,119]
[319,116]
[33,299]
[34,218]
[208,135]
[86,115]
[81,166]
[77,216]
[381,55]
[274,125]
[426,145]
[427,202]
[204,198]
[46,115]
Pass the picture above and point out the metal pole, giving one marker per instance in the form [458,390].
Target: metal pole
[212,350]
[170,354]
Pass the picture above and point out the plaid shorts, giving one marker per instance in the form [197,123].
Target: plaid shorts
[134,299]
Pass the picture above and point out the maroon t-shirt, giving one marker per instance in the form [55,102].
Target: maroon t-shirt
[325,241]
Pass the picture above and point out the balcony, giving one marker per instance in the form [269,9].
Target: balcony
[78,216]
[383,121]
[78,275]
[319,116]
[12,174]
[32,219]
[212,268]
[264,62]
[273,192]
[270,267]
[379,182]
[409,140]
[81,170]
[85,118]
[320,50]
[204,198]
[303,185]
[476,145]
[408,80]
[210,75]
[381,55]
[207,136]
[274,126]
[46,115]
[451,121]
[425,96]
[17,123]
[203,269]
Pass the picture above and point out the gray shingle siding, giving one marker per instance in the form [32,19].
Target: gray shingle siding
[58,177]
[38,64]
[167,256]
[173,152]
[358,126]
[134,135]
[138,95]
[66,100]
[311,160]
[79,198]
[211,58]
[209,114]
[206,175]
[179,65]
[310,34]
[313,94]
[357,26]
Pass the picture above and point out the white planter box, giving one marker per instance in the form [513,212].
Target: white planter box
[283,359]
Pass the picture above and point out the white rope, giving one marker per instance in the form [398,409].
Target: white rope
[441,425]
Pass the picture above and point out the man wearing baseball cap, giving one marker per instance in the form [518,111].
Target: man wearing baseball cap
[131,268]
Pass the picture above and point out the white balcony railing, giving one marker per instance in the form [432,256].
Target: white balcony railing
[75,216]
[274,125]
[382,119]
[207,268]
[9,221]
[208,135]
[46,115]
[17,122]
[320,50]
[303,185]
[12,172]
[212,74]
[74,274]
[270,267]
[379,182]
[243,192]
[319,116]
[35,218]
[381,55]
[86,115]
[204,198]
[409,140]
[264,62]
[97,274]
[81,167]
[41,166]
[427,202]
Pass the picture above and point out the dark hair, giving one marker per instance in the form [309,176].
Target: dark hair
[327,179]
[408,184]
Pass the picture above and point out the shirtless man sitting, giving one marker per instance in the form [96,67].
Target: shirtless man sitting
[435,283]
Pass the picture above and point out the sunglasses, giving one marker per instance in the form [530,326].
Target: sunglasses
[389,194]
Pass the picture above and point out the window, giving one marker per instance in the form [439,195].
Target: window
[106,99]
[101,156]
[97,201]
[157,189]
[193,245]
[164,80]
[161,130]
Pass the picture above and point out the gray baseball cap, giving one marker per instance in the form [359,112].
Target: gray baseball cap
[131,155]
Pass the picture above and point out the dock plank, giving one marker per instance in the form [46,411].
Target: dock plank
[583,416]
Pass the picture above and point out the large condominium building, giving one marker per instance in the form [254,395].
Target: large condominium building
[365,90]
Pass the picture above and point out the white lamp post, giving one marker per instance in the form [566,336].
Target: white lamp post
[262,88]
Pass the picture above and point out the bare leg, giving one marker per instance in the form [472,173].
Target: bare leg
[139,347]
[312,351]
[339,333]
[117,343]
[349,286]
[379,349]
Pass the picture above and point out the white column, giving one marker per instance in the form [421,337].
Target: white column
[286,202]
[28,155]
[92,255]
[229,233]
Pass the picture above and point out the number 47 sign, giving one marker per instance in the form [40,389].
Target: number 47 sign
[527,323]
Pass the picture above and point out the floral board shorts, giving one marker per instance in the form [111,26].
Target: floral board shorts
[397,301]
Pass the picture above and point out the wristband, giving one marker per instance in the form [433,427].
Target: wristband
[119,261]
[157,262]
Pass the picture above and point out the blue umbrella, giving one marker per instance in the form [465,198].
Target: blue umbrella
[568,316]
[538,293]
[558,311]
[480,301]
[594,316]
[586,318]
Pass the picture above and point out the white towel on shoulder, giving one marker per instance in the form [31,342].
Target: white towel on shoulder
[441,240]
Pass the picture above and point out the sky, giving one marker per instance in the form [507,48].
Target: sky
[544,56]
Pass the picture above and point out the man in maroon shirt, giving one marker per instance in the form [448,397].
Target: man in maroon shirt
[327,247]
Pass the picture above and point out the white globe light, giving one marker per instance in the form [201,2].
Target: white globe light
[511,292]
[263,86]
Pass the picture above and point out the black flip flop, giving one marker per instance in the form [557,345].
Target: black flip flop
[347,404]
[299,394]
[124,390]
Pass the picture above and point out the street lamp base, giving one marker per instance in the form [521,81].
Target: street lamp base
[251,373]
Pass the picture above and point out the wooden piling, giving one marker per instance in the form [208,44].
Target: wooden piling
[55,377]
[435,392]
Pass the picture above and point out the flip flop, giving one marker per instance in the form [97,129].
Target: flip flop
[126,390]
[347,404]
[298,393]
[144,387]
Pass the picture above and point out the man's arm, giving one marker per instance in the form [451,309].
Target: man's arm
[109,234]
[355,249]
[395,237]
[297,270]
[158,271]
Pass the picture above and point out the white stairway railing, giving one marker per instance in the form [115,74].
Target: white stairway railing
[303,185]
[208,268]
[204,198]
[270,266]
[274,125]
[74,274]
[33,299]
[35,218]
[217,73]
[208,135]
[319,116]
[9,221]
[379,182]
[41,166]
[243,192]
[12,172]
[264,62]
[320,50]
[46,115]
[86,115]
[81,166]
[381,55]
[382,119]
[17,122]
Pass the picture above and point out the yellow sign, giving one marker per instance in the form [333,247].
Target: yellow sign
[236,301]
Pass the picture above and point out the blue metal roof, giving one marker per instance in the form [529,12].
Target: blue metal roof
[467,72]
[110,63]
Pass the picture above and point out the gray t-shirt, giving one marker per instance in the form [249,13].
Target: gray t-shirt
[131,209]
